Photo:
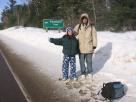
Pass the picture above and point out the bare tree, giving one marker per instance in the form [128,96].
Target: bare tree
[108,5]
[94,11]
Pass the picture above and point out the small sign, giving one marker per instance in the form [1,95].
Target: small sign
[53,23]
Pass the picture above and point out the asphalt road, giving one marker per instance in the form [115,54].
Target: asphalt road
[39,87]
[9,89]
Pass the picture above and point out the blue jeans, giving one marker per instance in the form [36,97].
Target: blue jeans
[69,61]
[86,58]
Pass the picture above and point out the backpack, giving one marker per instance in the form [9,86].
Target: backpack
[112,90]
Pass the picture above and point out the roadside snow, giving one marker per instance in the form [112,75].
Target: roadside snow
[114,58]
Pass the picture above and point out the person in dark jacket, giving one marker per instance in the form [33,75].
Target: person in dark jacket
[70,49]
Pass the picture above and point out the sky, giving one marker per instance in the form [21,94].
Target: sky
[4,3]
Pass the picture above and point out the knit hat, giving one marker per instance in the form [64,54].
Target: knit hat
[69,29]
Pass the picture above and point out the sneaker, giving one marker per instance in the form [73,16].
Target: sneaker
[89,76]
[63,79]
[75,79]
[82,77]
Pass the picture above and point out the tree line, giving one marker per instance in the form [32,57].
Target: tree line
[113,15]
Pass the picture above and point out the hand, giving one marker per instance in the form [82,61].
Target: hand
[50,39]
[94,47]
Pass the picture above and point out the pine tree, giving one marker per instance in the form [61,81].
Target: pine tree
[122,15]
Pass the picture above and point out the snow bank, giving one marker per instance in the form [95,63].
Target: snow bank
[114,58]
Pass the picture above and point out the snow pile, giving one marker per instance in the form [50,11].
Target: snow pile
[114,58]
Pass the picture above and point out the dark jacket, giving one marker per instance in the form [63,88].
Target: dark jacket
[70,44]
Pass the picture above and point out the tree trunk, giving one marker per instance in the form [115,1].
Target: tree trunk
[94,11]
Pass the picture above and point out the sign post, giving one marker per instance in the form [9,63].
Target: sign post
[53,23]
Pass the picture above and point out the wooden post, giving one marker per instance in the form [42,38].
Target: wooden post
[46,29]
[59,30]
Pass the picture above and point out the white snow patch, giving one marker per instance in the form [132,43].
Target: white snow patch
[114,58]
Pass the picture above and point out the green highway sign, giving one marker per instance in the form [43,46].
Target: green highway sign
[53,23]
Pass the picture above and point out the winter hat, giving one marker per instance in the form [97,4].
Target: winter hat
[69,29]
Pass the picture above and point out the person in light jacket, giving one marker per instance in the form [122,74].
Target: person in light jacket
[87,37]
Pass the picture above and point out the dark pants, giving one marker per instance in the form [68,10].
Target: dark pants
[86,59]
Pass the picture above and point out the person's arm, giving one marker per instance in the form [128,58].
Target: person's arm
[76,30]
[56,41]
[94,35]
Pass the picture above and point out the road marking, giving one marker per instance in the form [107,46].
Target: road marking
[21,86]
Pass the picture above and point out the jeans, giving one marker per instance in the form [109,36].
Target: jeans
[86,58]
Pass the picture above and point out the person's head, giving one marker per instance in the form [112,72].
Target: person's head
[69,31]
[84,19]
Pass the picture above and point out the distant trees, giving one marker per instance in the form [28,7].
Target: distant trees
[123,15]
[14,15]
[115,15]
[1,26]
[70,10]
[8,16]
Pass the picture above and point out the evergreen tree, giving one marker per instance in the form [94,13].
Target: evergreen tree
[123,15]
[113,15]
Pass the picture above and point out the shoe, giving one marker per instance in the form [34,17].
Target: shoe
[82,77]
[75,79]
[63,79]
[89,76]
